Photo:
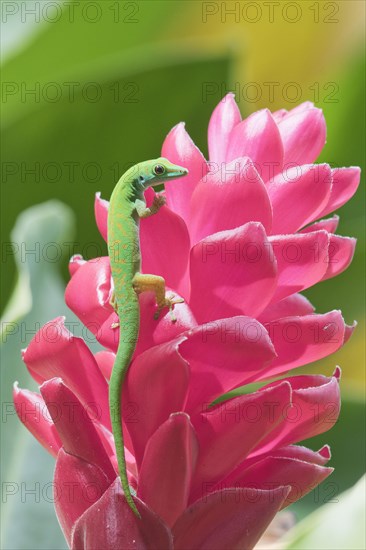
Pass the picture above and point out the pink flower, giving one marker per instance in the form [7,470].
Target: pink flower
[234,240]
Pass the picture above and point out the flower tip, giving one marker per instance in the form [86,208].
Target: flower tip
[51,387]
[180,415]
[325,452]
[348,331]
[265,111]
[75,262]
[286,490]
[16,389]
[257,225]
[180,126]
[99,200]
[229,95]
[337,373]
[76,258]
[357,170]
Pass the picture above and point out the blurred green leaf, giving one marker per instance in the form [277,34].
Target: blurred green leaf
[74,46]
[346,147]
[79,148]
[337,525]
[118,98]
[28,517]
[77,145]
[348,455]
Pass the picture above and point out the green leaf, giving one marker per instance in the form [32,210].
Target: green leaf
[69,149]
[79,143]
[337,525]
[346,147]
[28,517]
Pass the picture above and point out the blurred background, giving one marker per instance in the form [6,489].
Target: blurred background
[89,88]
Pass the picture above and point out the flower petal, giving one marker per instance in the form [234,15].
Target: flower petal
[179,148]
[274,472]
[303,135]
[152,332]
[229,432]
[77,485]
[302,261]
[110,523]
[89,291]
[302,340]
[278,115]
[258,138]
[330,225]
[231,518]
[74,426]
[345,183]
[105,361]
[32,412]
[308,187]
[314,409]
[167,468]
[55,352]
[241,269]
[282,113]
[349,330]
[160,238]
[223,355]
[107,440]
[229,197]
[304,106]
[295,304]
[88,296]
[223,120]
[156,386]
[341,251]
[75,262]
[292,452]
[297,452]
[101,215]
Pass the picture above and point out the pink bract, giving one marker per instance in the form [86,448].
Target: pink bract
[239,239]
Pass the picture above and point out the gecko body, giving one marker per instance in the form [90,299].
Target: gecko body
[127,206]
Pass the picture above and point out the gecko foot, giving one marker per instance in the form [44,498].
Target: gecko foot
[169,303]
[115,325]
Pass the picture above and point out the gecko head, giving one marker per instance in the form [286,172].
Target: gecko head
[154,172]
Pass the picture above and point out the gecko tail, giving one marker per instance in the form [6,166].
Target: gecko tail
[119,371]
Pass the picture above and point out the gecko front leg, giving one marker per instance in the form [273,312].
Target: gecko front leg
[146,211]
[154,283]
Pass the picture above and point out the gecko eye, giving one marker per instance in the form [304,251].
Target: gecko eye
[159,169]
[141,178]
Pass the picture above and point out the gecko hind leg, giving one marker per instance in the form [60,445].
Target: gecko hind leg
[155,283]
[113,303]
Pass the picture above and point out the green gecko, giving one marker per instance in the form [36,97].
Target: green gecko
[127,206]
